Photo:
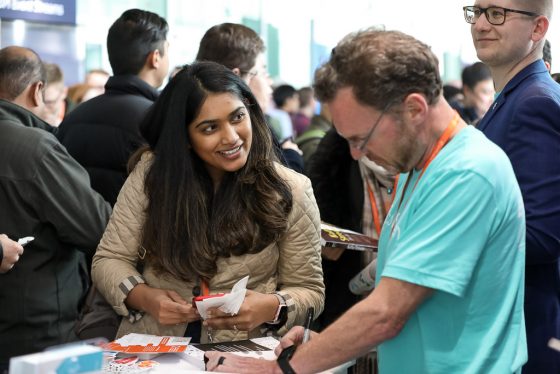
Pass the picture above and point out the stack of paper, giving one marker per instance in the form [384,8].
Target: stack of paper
[143,343]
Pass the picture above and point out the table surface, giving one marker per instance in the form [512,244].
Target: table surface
[178,362]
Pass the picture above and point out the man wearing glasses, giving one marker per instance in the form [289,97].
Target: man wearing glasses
[449,285]
[524,121]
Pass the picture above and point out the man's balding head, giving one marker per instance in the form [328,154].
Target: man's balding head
[19,68]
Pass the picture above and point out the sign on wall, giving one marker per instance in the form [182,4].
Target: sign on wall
[49,11]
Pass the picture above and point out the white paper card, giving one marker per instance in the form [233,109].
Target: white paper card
[228,303]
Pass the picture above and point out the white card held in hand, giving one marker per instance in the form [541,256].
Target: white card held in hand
[227,303]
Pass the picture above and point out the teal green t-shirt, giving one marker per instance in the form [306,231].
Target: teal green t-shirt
[461,232]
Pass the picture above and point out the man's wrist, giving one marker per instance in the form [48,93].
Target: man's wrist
[284,358]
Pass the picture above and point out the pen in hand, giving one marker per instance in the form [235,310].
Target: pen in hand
[308,320]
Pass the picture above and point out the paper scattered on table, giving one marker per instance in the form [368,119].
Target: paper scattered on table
[143,343]
[228,303]
[258,348]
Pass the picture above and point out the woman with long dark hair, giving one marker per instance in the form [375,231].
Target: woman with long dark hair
[206,204]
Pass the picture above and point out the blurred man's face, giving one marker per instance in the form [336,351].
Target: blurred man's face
[53,109]
[481,96]
[259,82]
[96,80]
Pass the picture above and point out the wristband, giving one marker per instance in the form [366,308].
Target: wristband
[284,359]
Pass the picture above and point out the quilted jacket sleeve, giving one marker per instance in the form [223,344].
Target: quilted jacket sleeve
[300,275]
[114,263]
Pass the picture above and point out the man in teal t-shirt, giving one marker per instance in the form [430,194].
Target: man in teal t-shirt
[449,288]
[460,232]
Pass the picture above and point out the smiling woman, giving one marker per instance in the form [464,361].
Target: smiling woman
[207,204]
[221,135]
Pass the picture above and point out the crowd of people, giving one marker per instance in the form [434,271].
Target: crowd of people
[139,200]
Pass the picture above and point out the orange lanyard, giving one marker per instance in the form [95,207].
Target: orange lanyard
[374,210]
[204,287]
[442,141]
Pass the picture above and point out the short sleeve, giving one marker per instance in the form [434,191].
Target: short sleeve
[441,239]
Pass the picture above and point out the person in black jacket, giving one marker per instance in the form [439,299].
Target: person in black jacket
[46,194]
[103,132]
[337,184]
[241,49]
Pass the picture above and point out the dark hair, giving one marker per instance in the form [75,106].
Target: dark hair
[283,93]
[19,68]
[232,45]
[475,73]
[133,36]
[305,96]
[450,92]
[188,226]
[382,67]
[546,52]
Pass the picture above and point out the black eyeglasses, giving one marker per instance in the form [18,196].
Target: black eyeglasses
[362,144]
[495,15]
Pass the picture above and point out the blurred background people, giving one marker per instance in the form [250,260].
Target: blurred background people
[103,132]
[302,118]
[55,96]
[478,93]
[311,137]
[80,92]
[286,103]
[452,93]
[547,55]
[92,86]
[97,79]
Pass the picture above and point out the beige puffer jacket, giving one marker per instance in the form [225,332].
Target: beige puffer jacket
[292,265]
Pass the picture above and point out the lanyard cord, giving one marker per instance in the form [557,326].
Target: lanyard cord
[204,287]
[442,141]
[374,209]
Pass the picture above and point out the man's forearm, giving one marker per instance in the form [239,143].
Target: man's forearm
[352,335]
[379,317]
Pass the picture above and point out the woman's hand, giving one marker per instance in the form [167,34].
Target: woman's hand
[257,308]
[165,306]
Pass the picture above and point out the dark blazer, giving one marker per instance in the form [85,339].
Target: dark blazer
[525,122]
[103,132]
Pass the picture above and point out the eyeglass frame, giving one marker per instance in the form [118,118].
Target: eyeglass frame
[366,140]
[485,11]
[253,74]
